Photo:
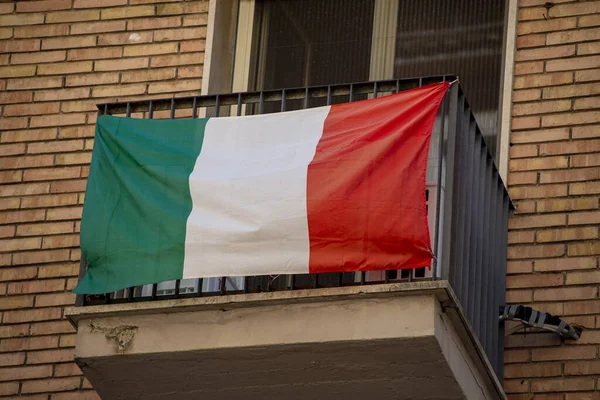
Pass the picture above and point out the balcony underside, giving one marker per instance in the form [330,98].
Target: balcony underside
[390,341]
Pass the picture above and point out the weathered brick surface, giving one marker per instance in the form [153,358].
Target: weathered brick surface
[555,244]
[58,59]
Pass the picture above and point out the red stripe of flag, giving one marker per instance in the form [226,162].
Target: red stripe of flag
[366,184]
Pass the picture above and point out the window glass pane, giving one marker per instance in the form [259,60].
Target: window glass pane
[459,37]
[315,42]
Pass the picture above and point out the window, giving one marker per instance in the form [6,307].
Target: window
[295,43]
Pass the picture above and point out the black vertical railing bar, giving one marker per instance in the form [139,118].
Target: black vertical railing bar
[447,244]
[195,108]
[460,262]
[471,218]
[488,297]
[501,278]
[438,195]
[480,256]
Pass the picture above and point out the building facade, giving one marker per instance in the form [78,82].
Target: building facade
[60,58]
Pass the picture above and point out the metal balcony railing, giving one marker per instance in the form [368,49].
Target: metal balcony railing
[468,205]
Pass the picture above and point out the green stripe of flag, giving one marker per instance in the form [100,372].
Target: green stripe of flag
[138,201]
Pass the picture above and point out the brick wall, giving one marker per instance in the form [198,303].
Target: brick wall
[555,181]
[58,58]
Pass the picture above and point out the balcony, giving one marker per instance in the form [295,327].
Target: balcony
[425,333]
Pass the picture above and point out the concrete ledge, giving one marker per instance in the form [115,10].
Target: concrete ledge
[419,324]
[75,314]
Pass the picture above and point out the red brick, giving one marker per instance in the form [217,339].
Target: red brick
[12,359]
[573,64]
[97,53]
[175,86]
[586,103]
[516,386]
[190,72]
[19,46]
[127,12]
[50,356]
[582,307]
[68,42]
[522,178]
[17,71]
[14,303]
[13,123]
[21,19]
[545,53]
[583,367]
[94,3]
[59,270]
[562,385]
[531,281]
[31,109]
[41,314]
[563,10]
[521,237]
[29,343]
[38,57]
[29,372]
[49,201]
[124,38]
[64,213]
[180,34]
[39,286]
[7,8]
[571,147]
[195,20]
[61,94]
[76,132]
[48,5]
[73,158]
[12,149]
[543,79]
[525,123]
[532,370]
[8,388]
[584,218]
[150,49]
[64,68]
[153,23]
[539,163]
[519,296]
[178,59]
[570,175]
[38,31]
[15,97]
[562,294]
[60,241]
[585,160]
[58,120]
[39,257]
[584,249]
[55,299]
[25,189]
[576,90]
[148,75]
[535,40]
[72,16]
[21,216]
[587,75]
[119,90]
[563,264]
[526,95]
[50,385]
[181,8]
[51,328]
[111,65]
[519,267]
[44,174]
[564,353]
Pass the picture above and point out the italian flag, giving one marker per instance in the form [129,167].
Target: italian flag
[327,189]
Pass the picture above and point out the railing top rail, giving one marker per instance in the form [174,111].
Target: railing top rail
[319,91]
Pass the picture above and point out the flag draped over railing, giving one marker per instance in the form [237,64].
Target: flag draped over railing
[327,189]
